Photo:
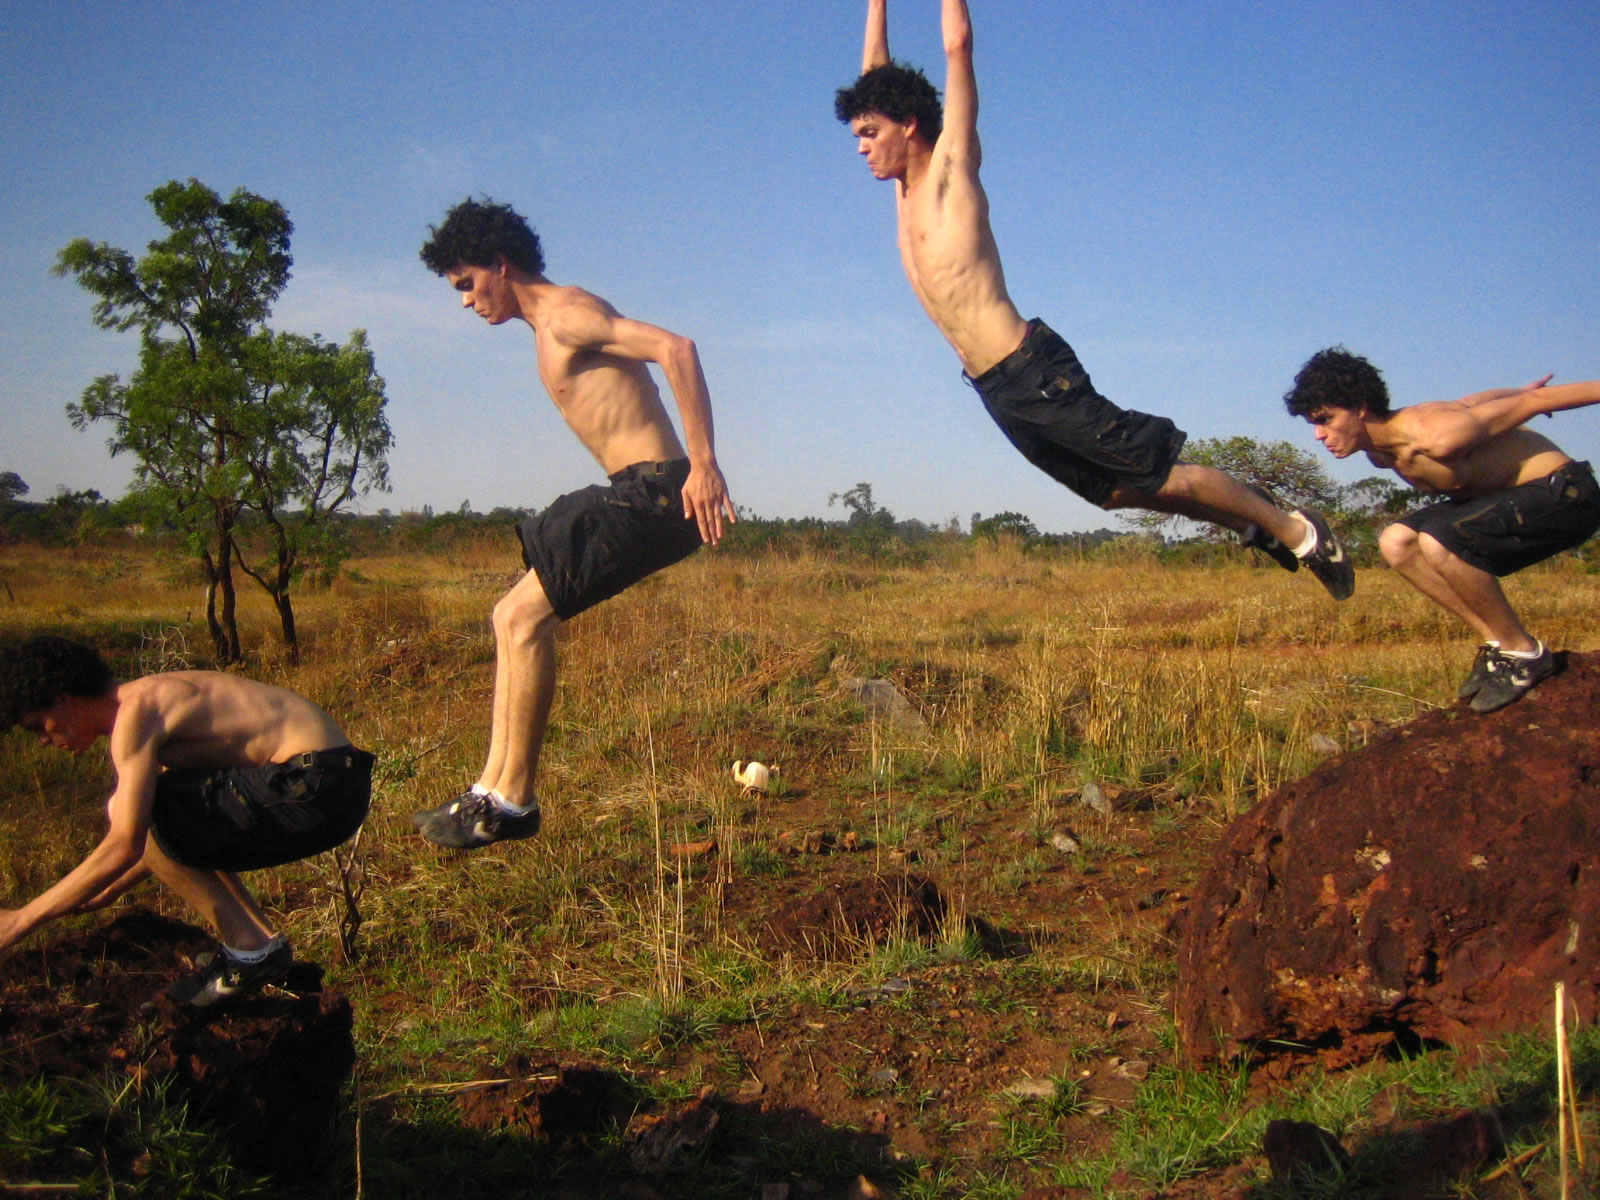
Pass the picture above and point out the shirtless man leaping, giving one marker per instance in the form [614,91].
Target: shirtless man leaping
[1030,380]
[1513,498]
[589,545]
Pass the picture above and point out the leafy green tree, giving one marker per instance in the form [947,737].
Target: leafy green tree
[222,415]
[1294,477]
[11,486]
[870,525]
[321,440]
[1002,524]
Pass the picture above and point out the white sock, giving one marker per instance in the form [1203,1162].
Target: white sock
[1538,649]
[1307,543]
[515,810]
[253,956]
[478,789]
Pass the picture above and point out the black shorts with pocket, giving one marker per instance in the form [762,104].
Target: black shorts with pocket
[1042,399]
[1506,531]
[595,542]
[246,818]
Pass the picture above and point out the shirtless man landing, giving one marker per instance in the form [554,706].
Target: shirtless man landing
[1030,380]
[1514,498]
[591,544]
[216,774]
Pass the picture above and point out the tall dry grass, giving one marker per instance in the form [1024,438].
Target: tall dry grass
[1032,676]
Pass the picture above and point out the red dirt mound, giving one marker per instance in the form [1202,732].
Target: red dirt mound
[847,915]
[267,1069]
[1434,884]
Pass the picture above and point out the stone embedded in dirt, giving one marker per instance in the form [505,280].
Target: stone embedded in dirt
[658,1140]
[1434,884]
[701,849]
[266,1069]
[847,917]
[1094,796]
[885,702]
[1064,840]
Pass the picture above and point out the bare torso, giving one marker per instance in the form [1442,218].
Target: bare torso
[610,402]
[1516,457]
[951,259]
[212,719]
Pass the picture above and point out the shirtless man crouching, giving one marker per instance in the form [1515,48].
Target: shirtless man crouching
[1029,378]
[216,774]
[660,506]
[1513,498]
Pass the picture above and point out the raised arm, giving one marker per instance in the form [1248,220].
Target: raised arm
[960,136]
[1478,398]
[876,51]
[705,492]
[1446,429]
[112,866]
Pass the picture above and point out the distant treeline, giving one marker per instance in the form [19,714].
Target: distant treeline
[86,518]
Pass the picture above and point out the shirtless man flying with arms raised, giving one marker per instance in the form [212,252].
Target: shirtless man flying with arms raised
[661,503]
[1030,380]
[216,774]
[1514,498]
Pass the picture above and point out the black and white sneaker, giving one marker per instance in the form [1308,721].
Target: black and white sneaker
[1508,678]
[1327,560]
[1257,538]
[224,977]
[472,820]
[1474,681]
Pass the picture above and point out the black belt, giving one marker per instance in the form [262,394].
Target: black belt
[344,757]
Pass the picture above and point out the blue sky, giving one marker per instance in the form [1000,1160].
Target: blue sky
[1196,196]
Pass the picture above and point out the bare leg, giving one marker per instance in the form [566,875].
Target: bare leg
[219,897]
[1473,595]
[525,628]
[1207,494]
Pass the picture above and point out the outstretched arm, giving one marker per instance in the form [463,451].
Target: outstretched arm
[705,492]
[1478,398]
[1443,430]
[960,136]
[112,866]
[876,51]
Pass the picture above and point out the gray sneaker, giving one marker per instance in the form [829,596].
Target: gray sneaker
[471,820]
[1508,678]
[224,977]
[1327,560]
[1474,681]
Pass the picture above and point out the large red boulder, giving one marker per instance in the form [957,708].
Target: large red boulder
[1434,884]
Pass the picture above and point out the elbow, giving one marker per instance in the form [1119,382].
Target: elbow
[682,353]
[958,39]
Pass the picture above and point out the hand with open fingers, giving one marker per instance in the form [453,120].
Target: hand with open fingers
[705,501]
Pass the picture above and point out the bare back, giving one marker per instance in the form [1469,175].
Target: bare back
[950,257]
[213,719]
[610,401]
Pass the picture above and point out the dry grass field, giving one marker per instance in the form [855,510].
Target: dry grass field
[911,1055]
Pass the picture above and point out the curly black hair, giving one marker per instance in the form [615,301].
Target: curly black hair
[36,673]
[1335,378]
[476,233]
[899,92]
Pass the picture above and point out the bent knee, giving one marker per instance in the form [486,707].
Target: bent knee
[1398,544]
[524,615]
